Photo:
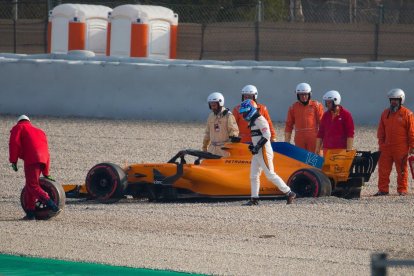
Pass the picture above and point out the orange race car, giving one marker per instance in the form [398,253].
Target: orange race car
[341,173]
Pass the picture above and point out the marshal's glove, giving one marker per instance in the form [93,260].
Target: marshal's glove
[50,178]
[14,167]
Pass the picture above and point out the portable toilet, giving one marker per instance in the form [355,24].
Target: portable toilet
[142,31]
[78,27]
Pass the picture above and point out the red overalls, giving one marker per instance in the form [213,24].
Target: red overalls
[30,144]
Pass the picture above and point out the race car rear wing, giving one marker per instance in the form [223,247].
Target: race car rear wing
[364,164]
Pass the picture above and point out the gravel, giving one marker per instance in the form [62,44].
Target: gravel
[323,236]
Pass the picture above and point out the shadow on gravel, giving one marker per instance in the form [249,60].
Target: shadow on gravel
[232,201]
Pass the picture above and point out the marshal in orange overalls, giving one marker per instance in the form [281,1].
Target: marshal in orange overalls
[395,139]
[305,119]
[244,131]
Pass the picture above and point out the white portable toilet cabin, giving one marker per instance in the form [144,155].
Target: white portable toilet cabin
[142,31]
[78,27]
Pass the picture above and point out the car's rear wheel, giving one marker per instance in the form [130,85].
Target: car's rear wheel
[106,182]
[310,182]
[56,194]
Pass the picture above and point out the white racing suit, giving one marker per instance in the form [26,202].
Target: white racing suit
[263,160]
[218,130]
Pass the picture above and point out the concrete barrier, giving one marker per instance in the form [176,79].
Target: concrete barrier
[105,87]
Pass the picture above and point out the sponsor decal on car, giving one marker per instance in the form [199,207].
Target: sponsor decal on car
[237,161]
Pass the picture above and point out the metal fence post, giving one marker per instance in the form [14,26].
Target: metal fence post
[378,268]
[259,15]
[203,29]
[381,14]
[377,29]
[49,7]
[15,17]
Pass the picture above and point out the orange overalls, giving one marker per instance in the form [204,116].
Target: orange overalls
[244,130]
[395,139]
[306,120]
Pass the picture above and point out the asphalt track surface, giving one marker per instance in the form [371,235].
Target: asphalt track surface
[325,236]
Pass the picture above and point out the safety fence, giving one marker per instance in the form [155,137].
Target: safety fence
[263,30]
[379,264]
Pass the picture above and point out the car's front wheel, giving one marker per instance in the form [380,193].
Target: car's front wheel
[106,182]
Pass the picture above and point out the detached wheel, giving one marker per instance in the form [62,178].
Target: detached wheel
[55,192]
[106,182]
[310,182]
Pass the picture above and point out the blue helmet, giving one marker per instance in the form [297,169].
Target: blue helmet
[248,108]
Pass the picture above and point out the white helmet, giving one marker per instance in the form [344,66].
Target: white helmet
[250,90]
[23,117]
[303,88]
[332,95]
[216,97]
[396,93]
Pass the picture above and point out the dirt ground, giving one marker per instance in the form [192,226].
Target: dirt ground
[325,236]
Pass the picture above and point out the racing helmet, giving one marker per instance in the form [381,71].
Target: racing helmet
[396,93]
[248,108]
[250,90]
[215,97]
[302,88]
[332,95]
[23,117]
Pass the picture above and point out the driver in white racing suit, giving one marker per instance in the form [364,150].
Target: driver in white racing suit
[262,151]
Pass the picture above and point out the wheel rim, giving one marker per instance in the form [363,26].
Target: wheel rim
[304,185]
[102,183]
[41,209]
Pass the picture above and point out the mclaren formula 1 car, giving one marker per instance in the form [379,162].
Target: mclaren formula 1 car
[340,173]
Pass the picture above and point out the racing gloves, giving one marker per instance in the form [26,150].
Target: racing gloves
[50,178]
[14,167]
[260,144]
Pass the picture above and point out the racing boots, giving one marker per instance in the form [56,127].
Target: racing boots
[379,193]
[30,215]
[290,197]
[253,201]
[54,209]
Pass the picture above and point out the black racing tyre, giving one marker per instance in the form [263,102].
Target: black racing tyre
[106,182]
[55,192]
[310,182]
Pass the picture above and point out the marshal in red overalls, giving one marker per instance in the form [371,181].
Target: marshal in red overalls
[30,144]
